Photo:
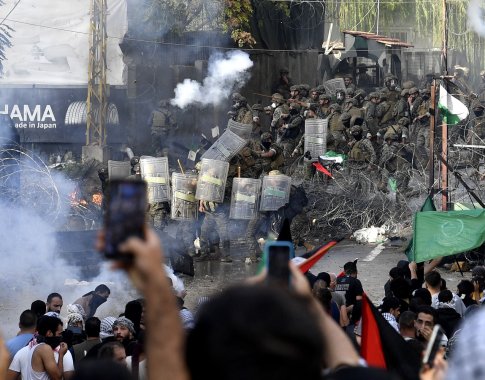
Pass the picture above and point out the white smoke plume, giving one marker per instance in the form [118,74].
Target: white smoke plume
[227,72]
[476,17]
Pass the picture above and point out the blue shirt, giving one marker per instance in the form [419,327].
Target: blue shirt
[20,341]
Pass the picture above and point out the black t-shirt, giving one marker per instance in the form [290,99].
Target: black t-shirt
[351,287]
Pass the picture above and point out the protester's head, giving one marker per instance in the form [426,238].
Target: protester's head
[107,327]
[123,329]
[54,303]
[390,305]
[426,318]
[27,321]
[102,290]
[396,272]
[133,311]
[38,307]
[406,324]
[433,281]
[92,327]
[350,268]
[324,276]
[400,288]
[114,351]
[101,370]
[420,297]
[50,331]
[255,332]
[478,276]
[323,295]
[75,315]
[465,288]
[333,281]
[445,296]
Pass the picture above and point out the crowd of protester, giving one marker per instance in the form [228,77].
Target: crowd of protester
[312,329]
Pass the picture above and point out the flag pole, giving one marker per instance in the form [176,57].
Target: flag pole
[432,127]
[444,128]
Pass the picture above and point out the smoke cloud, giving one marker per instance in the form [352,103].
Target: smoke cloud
[476,17]
[227,72]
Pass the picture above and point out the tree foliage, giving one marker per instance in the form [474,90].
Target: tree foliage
[5,40]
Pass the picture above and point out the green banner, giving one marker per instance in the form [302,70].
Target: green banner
[439,234]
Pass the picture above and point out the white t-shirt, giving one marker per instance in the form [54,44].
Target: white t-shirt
[20,362]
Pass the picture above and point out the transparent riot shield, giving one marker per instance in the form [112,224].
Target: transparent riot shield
[154,170]
[275,192]
[211,182]
[332,85]
[118,169]
[244,198]
[242,130]
[184,204]
[316,137]
[226,147]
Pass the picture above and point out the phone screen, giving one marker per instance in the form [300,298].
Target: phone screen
[125,214]
[278,265]
[433,345]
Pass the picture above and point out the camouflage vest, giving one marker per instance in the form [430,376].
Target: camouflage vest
[357,153]
[160,119]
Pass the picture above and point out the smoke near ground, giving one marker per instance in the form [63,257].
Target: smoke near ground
[227,72]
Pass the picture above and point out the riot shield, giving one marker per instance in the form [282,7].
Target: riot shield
[244,198]
[154,170]
[242,130]
[211,182]
[332,85]
[275,192]
[226,147]
[184,204]
[316,137]
[118,169]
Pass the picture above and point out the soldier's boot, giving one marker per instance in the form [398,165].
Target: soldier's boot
[217,252]
[226,252]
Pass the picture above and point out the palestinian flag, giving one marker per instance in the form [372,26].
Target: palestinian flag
[383,347]
[452,109]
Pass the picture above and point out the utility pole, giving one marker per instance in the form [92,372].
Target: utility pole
[97,101]
[444,127]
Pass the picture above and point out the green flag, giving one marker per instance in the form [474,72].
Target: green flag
[439,234]
[428,205]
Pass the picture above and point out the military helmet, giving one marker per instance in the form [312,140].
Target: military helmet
[404,121]
[408,84]
[345,117]
[350,91]
[305,87]
[163,103]
[374,95]
[356,129]
[266,136]
[295,88]
[391,135]
[413,90]
[405,92]
[257,107]
[284,70]
[324,97]
[278,98]
[348,76]
[321,89]
[360,93]
[236,97]
[335,107]
[274,173]
[295,106]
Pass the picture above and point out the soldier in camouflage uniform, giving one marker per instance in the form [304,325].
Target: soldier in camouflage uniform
[349,82]
[162,122]
[291,130]
[340,96]
[415,102]
[371,118]
[324,104]
[402,108]
[337,128]
[421,122]
[385,111]
[269,157]
[395,162]
[350,106]
[240,112]
[362,155]
[391,82]
[281,108]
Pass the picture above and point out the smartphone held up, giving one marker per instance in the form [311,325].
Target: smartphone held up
[277,256]
[125,214]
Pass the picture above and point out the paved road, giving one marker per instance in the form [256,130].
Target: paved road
[375,261]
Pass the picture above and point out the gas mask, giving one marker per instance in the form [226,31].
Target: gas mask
[255,118]
[236,105]
[340,96]
[392,84]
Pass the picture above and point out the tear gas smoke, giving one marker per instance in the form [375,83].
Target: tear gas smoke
[227,72]
[476,17]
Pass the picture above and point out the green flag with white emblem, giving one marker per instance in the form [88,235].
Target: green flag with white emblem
[447,233]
